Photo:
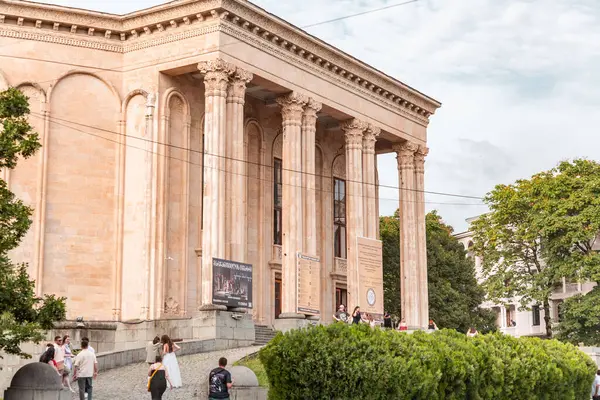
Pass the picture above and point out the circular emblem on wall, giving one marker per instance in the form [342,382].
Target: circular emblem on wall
[371,298]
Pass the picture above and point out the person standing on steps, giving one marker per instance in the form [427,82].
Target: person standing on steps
[219,382]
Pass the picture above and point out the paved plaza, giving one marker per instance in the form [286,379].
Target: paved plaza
[129,382]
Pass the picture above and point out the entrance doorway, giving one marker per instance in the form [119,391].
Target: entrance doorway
[277,297]
[341,297]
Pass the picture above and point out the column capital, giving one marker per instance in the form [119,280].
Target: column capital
[216,76]
[405,154]
[236,91]
[369,138]
[292,107]
[354,129]
[420,155]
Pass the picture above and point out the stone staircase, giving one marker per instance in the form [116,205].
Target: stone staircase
[264,334]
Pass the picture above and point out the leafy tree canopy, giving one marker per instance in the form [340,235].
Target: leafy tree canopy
[454,295]
[23,315]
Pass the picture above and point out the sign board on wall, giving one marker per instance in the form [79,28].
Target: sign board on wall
[232,283]
[370,276]
[309,285]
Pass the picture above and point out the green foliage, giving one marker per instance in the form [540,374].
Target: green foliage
[23,315]
[540,230]
[253,362]
[389,231]
[454,295]
[581,319]
[356,362]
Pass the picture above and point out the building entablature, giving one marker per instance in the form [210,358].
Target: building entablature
[186,19]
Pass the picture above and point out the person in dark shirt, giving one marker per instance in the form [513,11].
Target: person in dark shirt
[219,381]
[387,320]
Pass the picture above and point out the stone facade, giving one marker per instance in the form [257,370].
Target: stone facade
[161,130]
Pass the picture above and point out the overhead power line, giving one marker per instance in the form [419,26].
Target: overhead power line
[167,145]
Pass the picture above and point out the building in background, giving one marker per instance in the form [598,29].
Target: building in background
[510,319]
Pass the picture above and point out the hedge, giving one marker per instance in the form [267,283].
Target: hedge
[344,362]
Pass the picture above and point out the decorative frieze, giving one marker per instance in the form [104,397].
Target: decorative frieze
[234,17]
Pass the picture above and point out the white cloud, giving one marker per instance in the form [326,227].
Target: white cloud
[518,80]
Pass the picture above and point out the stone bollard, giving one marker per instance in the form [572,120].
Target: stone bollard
[245,385]
[36,381]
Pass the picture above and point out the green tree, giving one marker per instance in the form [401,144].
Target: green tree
[580,322]
[23,315]
[540,230]
[454,295]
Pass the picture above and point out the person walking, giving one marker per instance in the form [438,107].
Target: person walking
[66,347]
[596,386]
[341,315]
[170,360]
[86,370]
[59,354]
[387,320]
[219,381]
[158,377]
[357,316]
[153,350]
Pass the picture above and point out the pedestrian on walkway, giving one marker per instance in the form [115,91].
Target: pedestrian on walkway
[170,360]
[158,376]
[48,358]
[219,381]
[153,350]
[86,369]
[66,346]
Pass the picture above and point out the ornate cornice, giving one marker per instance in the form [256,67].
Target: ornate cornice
[190,18]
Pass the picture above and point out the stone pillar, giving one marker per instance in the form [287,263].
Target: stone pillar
[292,106]
[309,129]
[237,177]
[354,203]
[216,78]
[409,275]
[371,217]
[421,235]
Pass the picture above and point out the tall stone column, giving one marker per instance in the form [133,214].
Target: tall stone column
[354,203]
[421,236]
[409,274]
[216,78]
[371,217]
[292,107]
[309,129]
[237,177]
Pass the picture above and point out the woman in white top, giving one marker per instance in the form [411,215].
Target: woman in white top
[66,346]
[170,361]
[472,332]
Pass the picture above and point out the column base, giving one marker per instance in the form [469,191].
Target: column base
[291,315]
[287,324]
[313,318]
[240,310]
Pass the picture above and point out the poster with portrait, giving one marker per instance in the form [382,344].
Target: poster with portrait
[309,285]
[232,283]
[370,279]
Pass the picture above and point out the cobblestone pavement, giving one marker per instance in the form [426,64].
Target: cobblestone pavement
[129,382]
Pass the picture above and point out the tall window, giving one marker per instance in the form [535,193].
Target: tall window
[339,217]
[277,201]
[536,315]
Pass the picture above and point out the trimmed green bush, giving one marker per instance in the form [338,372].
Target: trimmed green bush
[344,362]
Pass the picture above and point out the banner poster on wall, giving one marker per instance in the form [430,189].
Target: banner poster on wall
[309,285]
[232,283]
[370,276]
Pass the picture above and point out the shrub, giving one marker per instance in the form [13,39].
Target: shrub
[356,362]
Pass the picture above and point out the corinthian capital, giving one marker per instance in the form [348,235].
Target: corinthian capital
[420,155]
[292,107]
[354,129]
[236,90]
[369,139]
[405,154]
[216,76]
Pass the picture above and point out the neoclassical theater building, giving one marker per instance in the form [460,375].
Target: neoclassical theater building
[203,129]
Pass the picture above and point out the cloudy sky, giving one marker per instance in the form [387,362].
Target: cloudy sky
[519,81]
